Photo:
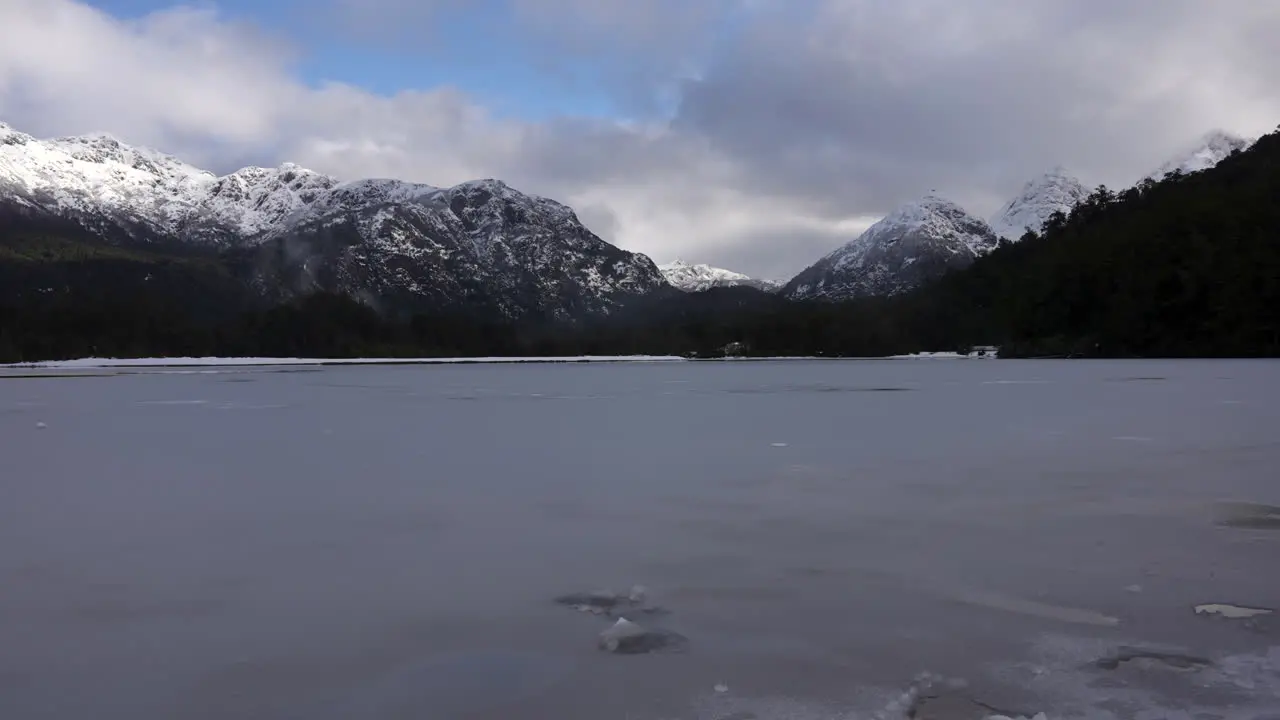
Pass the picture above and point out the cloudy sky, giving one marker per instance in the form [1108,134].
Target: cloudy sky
[752,134]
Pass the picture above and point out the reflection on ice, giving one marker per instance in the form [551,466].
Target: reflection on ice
[1033,608]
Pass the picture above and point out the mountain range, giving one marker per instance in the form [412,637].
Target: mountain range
[289,231]
[285,232]
[922,240]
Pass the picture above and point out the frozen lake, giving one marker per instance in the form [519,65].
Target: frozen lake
[386,541]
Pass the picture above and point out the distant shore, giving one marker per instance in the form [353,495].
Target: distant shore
[85,363]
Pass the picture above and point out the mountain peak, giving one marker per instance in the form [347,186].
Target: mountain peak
[931,214]
[931,201]
[483,184]
[1207,151]
[915,243]
[10,136]
[1218,136]
[1054,191]
[96,137]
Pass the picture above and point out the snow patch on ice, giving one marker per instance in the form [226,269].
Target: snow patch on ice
[1233,612]
[929,356]
[265,361]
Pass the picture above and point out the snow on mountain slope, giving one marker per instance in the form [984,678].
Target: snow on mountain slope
[481,243]
[1055,191]
[1208,151]
[913,244]
[253,200]
[697,278]
[97,175]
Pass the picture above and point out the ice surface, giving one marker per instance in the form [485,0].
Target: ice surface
[353,550]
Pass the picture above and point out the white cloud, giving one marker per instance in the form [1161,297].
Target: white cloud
[805,123]
[191,83]
[877,101]
[65,67]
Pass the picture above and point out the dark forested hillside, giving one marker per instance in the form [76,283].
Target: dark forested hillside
[1189,266]
[1185,267]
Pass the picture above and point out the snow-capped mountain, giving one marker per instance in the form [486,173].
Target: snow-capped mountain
[913,244]
[696,278]
[1055,191]
[481,242]
[1208,151]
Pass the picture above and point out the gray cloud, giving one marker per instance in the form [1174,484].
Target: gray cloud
[796,123]
[876,102]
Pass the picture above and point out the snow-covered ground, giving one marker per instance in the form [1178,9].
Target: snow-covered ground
[820,564]
[990,355]
[178,362]
[930,356]
[230,361]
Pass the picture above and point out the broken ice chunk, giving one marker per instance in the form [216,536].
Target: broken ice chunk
[627,638]
[623,636]
[606,602]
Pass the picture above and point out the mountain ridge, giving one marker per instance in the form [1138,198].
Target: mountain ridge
[400,244]
[293,230]
[700,277]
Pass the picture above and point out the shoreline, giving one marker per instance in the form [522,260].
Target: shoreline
[183,362]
